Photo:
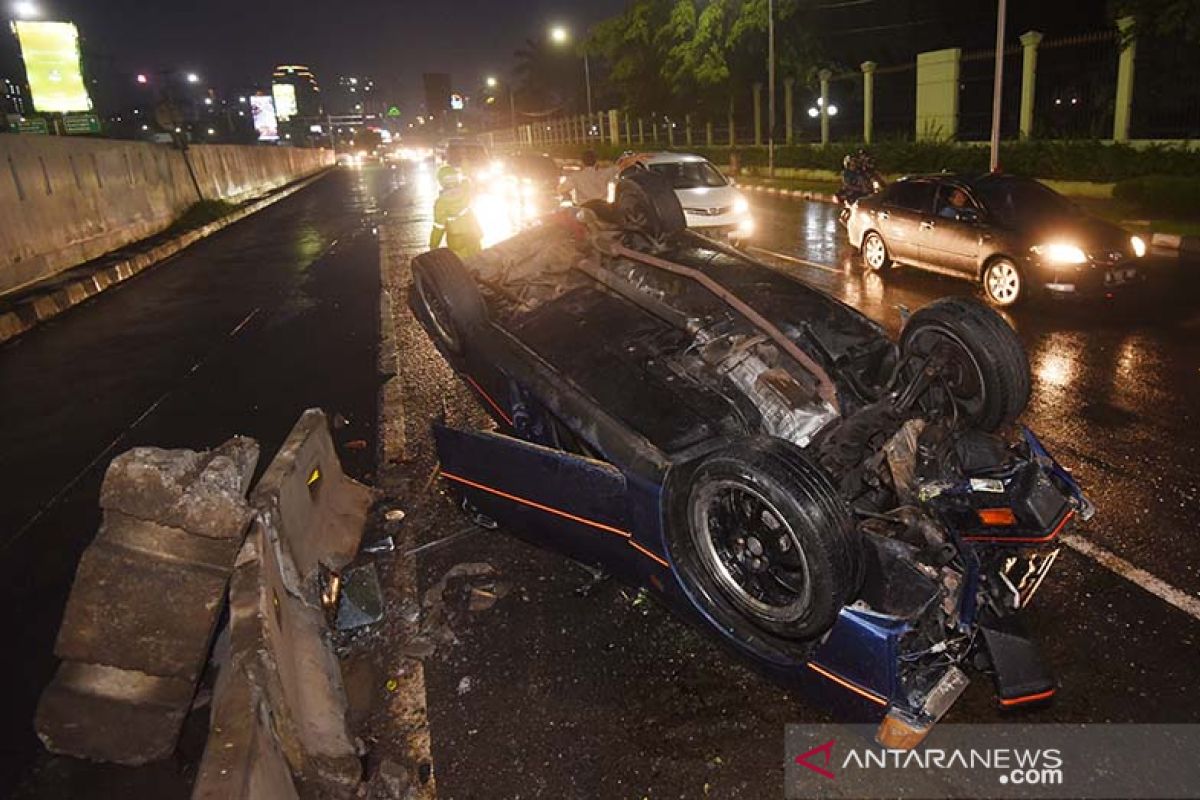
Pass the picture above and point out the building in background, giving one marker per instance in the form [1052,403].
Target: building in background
[356,94]
[303,85]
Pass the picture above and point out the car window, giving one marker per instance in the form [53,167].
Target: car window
[912,195]
[1018,202]
[952,199]
[690,174]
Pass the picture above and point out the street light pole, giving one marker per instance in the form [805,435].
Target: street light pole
[587,75]
[771,88]
[997,95]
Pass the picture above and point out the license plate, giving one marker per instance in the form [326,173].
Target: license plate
[1116,277]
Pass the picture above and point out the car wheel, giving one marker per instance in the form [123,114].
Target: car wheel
[647,204]
[448,297]
[875,252]
[985,379]
[1003,283]
[768,537]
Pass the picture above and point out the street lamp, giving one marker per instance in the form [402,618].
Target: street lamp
[193,77]
[142,78]
[492,82]
[561,36]
[26,10]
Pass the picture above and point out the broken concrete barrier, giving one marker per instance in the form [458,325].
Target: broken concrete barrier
[284,690]
[173,523]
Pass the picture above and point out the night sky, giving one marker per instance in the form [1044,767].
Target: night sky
[234,43]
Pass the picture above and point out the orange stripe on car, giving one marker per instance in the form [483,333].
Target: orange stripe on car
[490,401]
[1029,698]
[1070,515]
[840,681]
[650,554]
[539,506]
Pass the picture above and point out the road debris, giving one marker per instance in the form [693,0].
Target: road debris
[361,599]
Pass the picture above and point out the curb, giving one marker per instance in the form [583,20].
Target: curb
[795,194]
[1173,241]
[37,308]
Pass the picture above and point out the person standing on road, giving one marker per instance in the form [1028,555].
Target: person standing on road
[453,219]
[589,184]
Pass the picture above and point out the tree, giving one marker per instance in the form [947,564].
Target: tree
[1164,17]
[681,56]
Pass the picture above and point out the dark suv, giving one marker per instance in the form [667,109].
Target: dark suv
[1010,234]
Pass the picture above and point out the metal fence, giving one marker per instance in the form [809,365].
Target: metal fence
[1074,96]
[1166,93]
[1076,87]
[976,92]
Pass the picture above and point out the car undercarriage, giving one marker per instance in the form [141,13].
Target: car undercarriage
[842,510]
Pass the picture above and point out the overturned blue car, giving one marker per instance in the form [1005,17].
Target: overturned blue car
[855,517]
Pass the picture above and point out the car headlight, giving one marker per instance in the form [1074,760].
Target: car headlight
[741,205]
[1059,253]
[1139,245]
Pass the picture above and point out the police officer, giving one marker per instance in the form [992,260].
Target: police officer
[453,218]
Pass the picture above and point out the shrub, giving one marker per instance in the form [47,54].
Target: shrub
[1057,160]
[1167,195]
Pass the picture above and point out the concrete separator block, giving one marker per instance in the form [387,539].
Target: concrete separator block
[202,493]
[147,595]
[318,511]
[110,714]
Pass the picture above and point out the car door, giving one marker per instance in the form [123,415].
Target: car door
[556,499]
[902,209]
[950,236]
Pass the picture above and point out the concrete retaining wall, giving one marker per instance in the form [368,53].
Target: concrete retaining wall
[66,201]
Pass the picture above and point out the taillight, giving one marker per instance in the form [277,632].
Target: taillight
[997,517]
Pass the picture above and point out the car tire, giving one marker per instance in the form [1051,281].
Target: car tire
[1003,283]
[647,204]
[989,379]
[768,541]
[875,253]
[448,297]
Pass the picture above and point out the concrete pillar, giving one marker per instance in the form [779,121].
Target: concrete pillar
[641,131]
[758,114]
[732,127]
[670,133]
[708,133]
[654,131]
[868,71]
[1124,109]
[583,129]
[628,137]
[937,94]
[687,129]
[614,126]
[598,121]
[789,109]
[824,75]
[1029,50]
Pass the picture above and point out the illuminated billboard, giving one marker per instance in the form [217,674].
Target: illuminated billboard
[285,101]
[262,110]
[51,54]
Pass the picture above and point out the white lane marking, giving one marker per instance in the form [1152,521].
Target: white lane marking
[1187,603]
[802,261]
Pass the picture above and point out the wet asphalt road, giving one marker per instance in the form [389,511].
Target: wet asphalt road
[573,689]
[237,335]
